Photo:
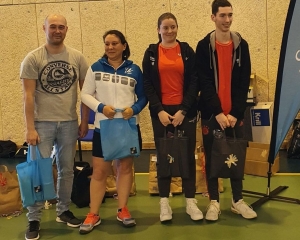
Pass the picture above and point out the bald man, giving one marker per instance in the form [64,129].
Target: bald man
[50,75]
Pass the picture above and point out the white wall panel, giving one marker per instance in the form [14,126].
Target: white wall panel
[6,2]
[250,21]
[276,15]
[16,2]
[17,40]
[96,19]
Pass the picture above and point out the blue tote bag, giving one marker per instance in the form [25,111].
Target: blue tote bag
[35,178]
[119,138]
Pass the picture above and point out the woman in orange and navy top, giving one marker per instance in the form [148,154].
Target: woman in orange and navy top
[170,83]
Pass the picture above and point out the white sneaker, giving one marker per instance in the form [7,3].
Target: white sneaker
[193,210]
[213,211]
[244,209]
[165,210]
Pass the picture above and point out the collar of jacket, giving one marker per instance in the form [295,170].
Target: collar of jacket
[125,63]
[154,47]
[235,36]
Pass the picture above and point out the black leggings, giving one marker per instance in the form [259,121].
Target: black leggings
[212,183]
[189,127]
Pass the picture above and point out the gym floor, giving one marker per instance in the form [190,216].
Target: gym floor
[276,220]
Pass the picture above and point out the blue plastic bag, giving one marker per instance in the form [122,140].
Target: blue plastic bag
[119,138]
[35,178]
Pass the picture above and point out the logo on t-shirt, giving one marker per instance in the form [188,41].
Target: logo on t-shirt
[57,77]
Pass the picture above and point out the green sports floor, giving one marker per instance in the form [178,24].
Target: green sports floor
[276,220]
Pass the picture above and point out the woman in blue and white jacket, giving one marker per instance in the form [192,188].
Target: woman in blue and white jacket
[113,82]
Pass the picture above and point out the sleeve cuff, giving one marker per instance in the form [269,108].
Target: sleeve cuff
[135,110]
[100,107]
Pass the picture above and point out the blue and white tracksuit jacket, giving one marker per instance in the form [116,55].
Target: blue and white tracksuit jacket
[119,88]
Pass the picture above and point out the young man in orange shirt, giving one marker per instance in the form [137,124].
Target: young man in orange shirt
[224,68]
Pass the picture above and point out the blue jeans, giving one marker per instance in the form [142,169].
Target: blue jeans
[63,136]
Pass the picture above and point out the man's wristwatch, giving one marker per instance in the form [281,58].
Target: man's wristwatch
[183,112]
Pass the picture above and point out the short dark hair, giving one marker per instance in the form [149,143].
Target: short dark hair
[219,3]
[164,16]
[120,35]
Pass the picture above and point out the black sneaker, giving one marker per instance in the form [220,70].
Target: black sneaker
[68,218]
[33,230]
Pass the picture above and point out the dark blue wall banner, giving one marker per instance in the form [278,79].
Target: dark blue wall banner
[287,94]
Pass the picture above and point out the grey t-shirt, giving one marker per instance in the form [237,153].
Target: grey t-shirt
[56,78]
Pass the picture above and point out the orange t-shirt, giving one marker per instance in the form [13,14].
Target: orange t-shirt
[171,70]
[224,52]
